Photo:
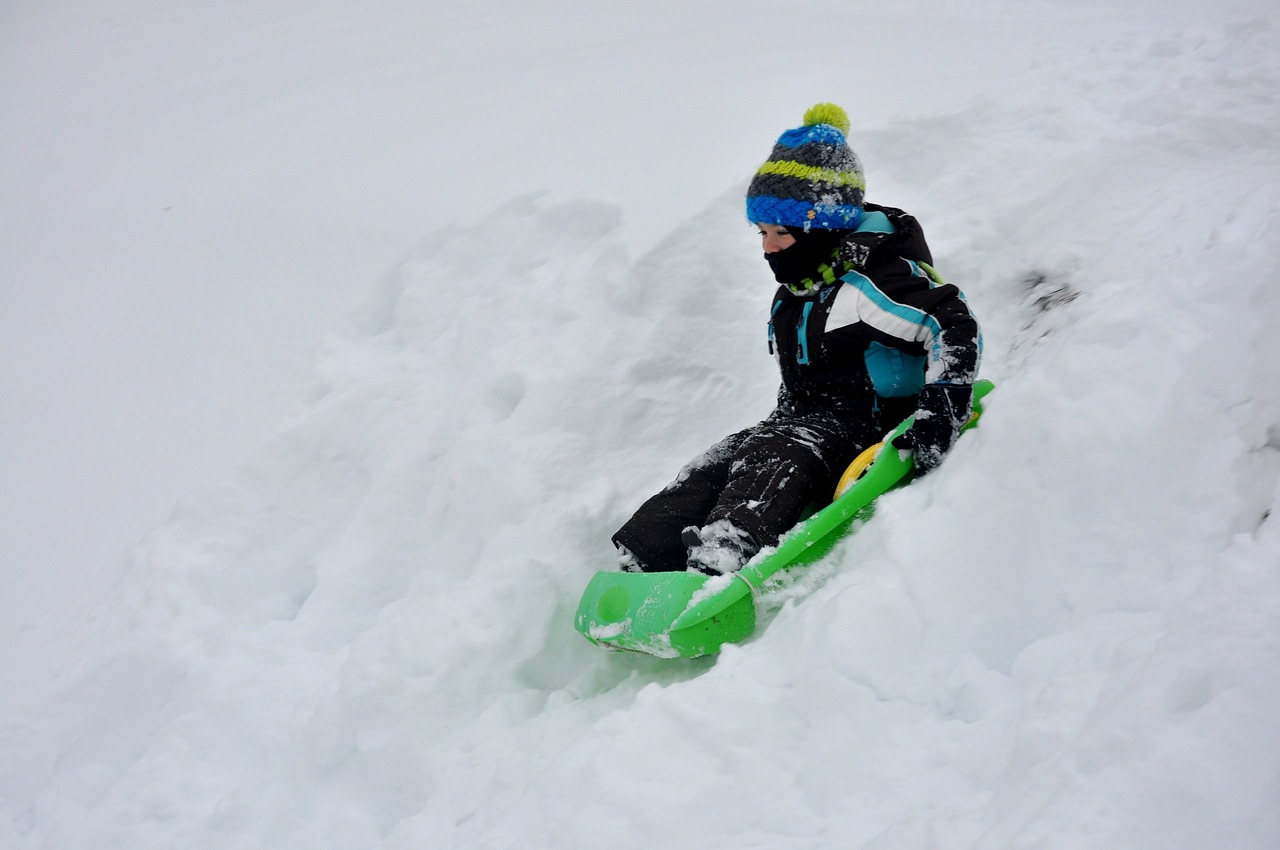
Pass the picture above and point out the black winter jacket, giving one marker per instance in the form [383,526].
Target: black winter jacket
[884,328]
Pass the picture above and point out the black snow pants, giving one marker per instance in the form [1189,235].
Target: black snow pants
[761,479]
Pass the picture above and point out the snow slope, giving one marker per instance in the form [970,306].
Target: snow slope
[1064,639]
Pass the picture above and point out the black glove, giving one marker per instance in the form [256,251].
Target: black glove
[941,412]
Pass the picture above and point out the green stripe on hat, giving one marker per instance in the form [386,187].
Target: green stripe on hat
[813,174]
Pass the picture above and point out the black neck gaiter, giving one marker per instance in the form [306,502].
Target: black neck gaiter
[799,263]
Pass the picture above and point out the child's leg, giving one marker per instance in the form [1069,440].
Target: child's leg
[652,534]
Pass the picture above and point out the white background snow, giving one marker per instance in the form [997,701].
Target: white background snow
[337,338]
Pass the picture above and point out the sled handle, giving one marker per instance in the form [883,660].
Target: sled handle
[863,461]
[860,465]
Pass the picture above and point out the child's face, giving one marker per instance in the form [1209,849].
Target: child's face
[775,237]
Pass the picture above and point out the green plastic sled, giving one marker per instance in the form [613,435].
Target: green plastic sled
[688,614]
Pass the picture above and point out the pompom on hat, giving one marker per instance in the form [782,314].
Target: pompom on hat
[813,179]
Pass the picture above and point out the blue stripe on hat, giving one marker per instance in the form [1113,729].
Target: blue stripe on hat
[803,214]
[820,133]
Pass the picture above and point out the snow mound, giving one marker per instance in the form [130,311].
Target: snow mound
[1064,638]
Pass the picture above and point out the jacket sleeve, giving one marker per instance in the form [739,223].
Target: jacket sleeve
[910,306]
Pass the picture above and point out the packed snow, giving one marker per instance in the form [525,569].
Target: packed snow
[511,235]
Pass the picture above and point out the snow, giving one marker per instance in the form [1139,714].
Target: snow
[252,602]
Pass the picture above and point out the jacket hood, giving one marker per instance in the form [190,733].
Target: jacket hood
[885,230]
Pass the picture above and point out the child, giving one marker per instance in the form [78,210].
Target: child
[864,332]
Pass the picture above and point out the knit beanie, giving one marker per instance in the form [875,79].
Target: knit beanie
[813,179]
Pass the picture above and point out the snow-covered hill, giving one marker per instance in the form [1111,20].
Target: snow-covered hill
[362,637]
